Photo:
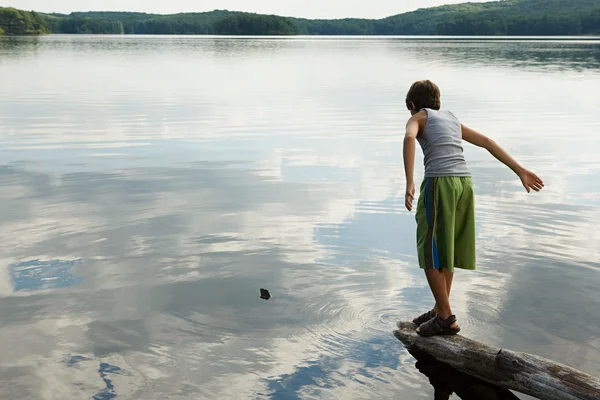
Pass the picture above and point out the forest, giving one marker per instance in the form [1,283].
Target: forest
[17,22]
[506,17]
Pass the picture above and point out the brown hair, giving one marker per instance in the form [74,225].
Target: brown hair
[423,94]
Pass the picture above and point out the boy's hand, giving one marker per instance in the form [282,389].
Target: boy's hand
[530,180]
[409,196]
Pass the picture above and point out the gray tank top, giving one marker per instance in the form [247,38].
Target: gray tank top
[441,141]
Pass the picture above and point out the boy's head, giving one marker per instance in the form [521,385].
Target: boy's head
[423,94]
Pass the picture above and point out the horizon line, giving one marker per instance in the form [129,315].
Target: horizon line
[251,12]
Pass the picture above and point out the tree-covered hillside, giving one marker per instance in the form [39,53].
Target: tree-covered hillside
[84,25]
[17,22]
[508,17]
[505,17]
[254,24]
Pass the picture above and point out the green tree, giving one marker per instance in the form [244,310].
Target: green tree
[89,26]
[506,17]
[18,22]
[254,24]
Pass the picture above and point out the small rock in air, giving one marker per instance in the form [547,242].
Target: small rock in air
[264,294]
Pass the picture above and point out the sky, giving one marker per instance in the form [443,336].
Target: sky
[293,8]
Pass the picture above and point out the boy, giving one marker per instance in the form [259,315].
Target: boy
[445,211]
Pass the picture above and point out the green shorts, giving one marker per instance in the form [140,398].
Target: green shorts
[446,223]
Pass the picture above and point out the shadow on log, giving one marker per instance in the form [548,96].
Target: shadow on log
[522,372]
[447,380]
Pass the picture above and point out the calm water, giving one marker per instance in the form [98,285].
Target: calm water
[150,186]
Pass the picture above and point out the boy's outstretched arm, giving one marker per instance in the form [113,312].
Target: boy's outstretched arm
[528,178]
[412,130]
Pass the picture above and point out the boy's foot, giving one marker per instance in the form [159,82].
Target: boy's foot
[439,326]
[421,319]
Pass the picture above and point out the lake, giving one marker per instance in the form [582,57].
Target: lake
[151,186]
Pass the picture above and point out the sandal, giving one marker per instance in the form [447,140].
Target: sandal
[421,319]
[438,326]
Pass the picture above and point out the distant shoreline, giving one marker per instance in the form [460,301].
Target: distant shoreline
[506,18]
[336,37]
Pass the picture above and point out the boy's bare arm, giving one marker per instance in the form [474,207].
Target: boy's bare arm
[412,130]
[528,178]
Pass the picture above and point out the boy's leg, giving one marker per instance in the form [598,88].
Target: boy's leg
[449,276]
[435,213]
[438,285]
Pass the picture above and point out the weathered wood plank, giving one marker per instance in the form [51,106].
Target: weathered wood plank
[447,380]
[522,372]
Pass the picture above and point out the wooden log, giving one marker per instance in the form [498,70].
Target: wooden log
[522,372]
[447,380]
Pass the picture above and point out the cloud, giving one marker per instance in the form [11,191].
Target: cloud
[140,234]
